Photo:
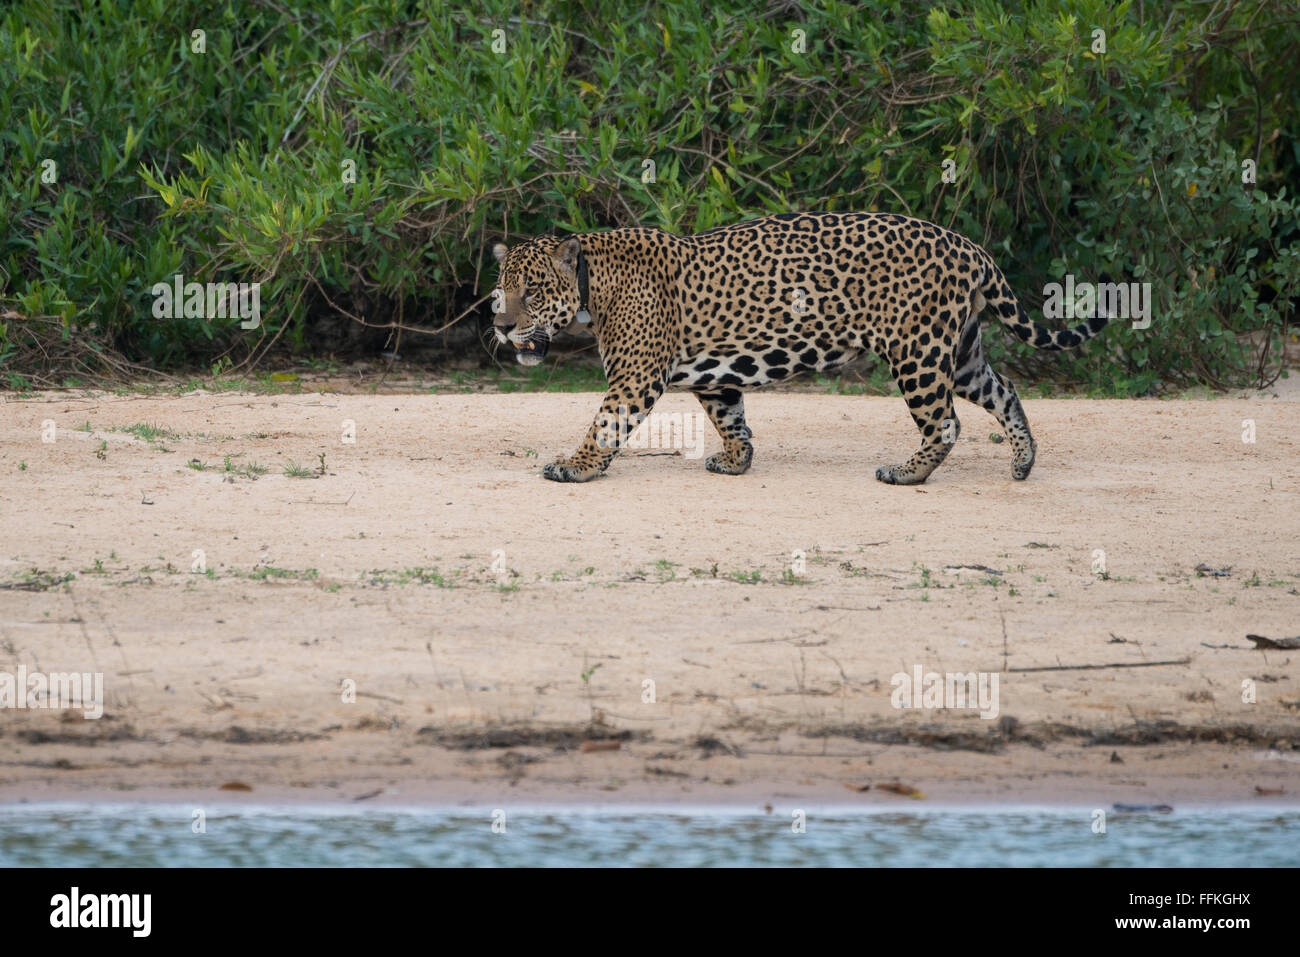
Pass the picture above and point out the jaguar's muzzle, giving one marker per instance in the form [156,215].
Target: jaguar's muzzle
[533,350]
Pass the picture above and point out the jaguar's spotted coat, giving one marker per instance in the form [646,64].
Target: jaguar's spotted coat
[763,300]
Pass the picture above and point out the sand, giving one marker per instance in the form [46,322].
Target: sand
[492,622]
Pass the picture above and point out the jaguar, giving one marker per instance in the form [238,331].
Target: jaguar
[761,301]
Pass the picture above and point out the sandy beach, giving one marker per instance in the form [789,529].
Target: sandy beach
[418,616]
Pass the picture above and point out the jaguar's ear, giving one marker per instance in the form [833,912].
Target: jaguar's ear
[567,253]
[500,251]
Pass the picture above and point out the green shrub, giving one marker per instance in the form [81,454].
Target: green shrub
[357,159]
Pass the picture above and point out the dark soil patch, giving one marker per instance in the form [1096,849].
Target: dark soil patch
[1008,730]
[238,735]
[563,738]
[95,733]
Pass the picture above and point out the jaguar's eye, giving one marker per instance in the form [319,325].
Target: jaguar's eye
[530,293]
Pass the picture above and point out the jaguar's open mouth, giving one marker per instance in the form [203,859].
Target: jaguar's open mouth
[533,350]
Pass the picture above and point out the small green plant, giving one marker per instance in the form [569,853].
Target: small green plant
[664,569]
[268,572]
[293,470]
[250,470]
[417,576]
[148,433]
[38,580]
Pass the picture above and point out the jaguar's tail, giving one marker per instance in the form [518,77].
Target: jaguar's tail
[997,293]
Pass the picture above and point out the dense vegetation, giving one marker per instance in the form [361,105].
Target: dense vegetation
[357,158]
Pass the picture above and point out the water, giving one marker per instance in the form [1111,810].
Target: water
[161,835]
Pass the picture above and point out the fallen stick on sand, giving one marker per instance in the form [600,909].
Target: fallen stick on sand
[1126,664]
[381,697]
[1282,644]
[312,501]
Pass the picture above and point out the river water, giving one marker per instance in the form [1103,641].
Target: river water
[177,835]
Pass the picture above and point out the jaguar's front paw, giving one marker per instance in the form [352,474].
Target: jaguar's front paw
[1024,462]
[566,470]
[897,475]
[731,463]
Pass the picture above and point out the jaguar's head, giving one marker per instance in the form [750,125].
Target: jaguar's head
[538,294]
